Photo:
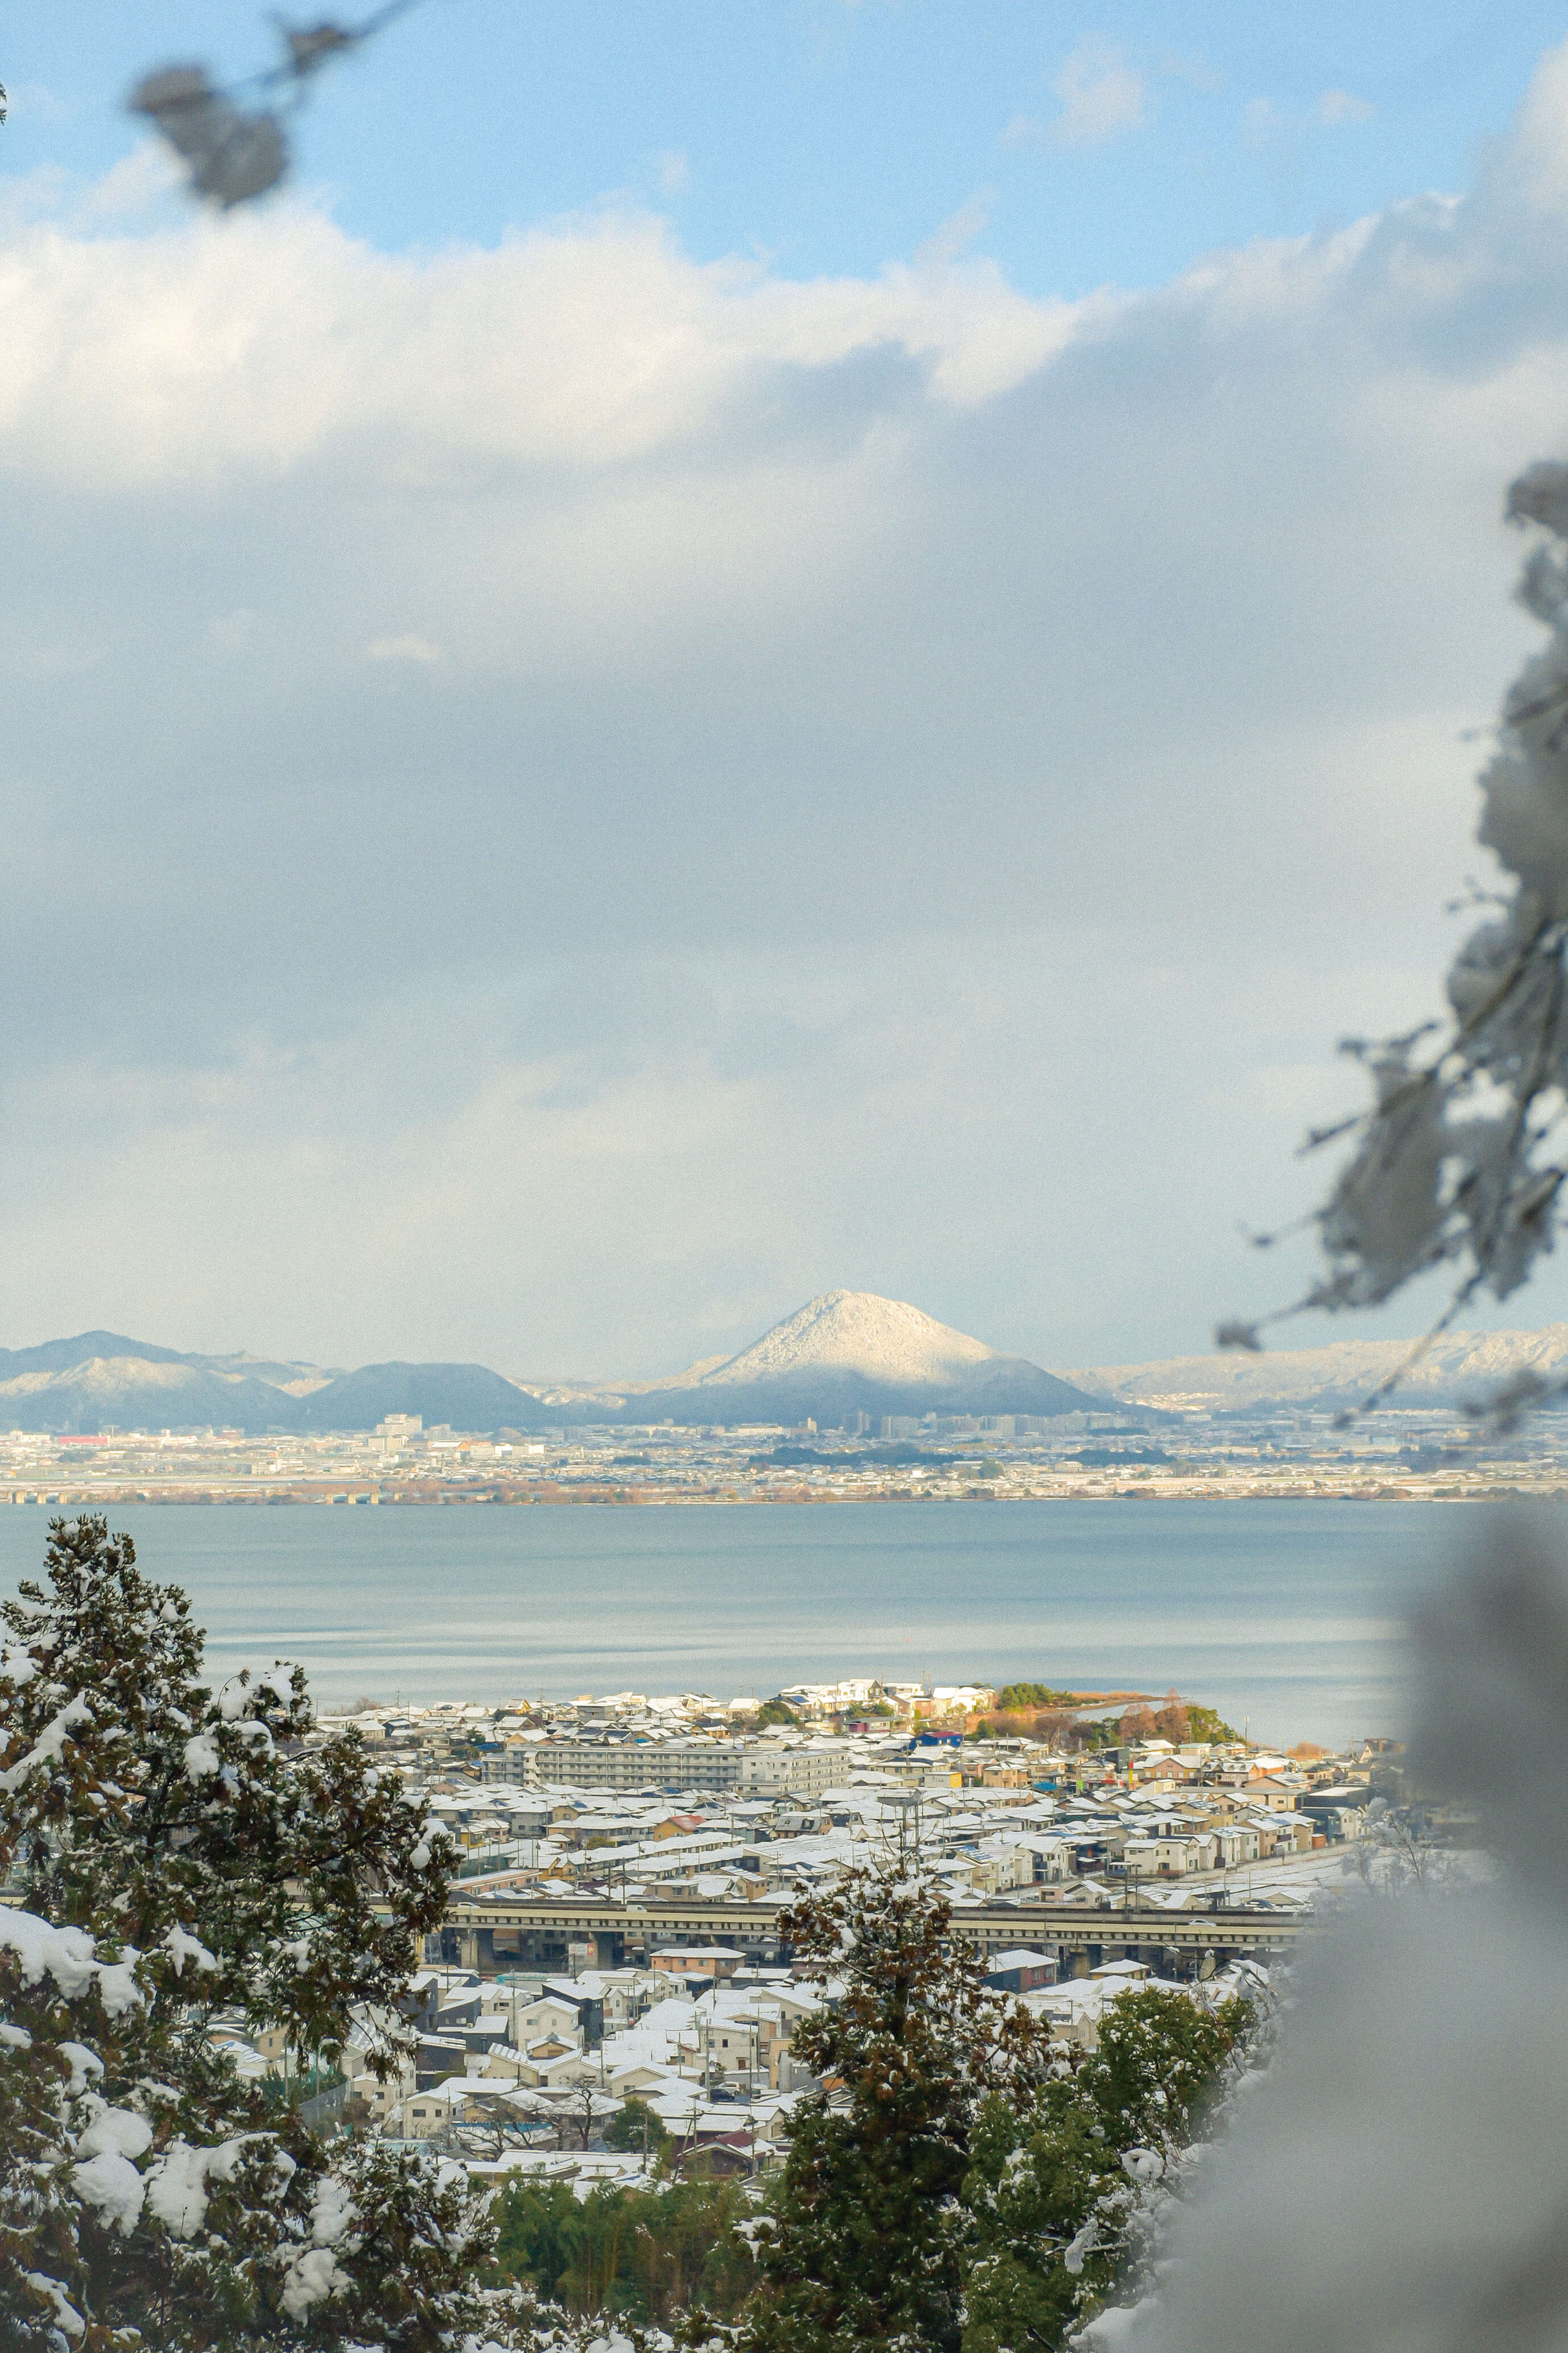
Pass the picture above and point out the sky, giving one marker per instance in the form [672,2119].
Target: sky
[738,649]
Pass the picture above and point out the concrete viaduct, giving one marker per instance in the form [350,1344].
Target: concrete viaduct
[492,1932]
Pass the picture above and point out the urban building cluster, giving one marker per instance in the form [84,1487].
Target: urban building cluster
[1414,1453]
[621,1863]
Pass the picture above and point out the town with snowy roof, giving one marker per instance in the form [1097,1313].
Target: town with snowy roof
[621,1862]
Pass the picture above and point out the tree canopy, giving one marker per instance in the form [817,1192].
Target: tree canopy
[177,1852]
[962,2182]
[862,2245]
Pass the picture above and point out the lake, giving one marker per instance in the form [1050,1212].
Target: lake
[1285,1615]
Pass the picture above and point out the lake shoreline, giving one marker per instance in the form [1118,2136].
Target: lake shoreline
[643,1499]
[1292,1616]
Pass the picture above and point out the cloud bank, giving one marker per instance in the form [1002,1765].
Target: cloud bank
[560,799]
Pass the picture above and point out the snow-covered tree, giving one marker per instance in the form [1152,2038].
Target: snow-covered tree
[1058,2189]
[143,1803]
[1460,1160]
[177,1852]
[126,2219]
[864,2243]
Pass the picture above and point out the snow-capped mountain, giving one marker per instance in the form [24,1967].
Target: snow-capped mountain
[856,1332]
[849,1351]
[101,1379]
[1460,1366]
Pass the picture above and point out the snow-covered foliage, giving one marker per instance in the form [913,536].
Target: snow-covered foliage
[865,2241]
[137,1798]
[1395,2182]
[1460,1160]
[116,2229]
[962,2184]
[234,153]
[173,1856]
[1069,2195]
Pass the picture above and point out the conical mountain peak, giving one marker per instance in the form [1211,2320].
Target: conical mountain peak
[857,1331]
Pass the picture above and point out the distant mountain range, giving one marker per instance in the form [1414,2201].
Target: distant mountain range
[102,1379]
[1461,1366]
[844,1353]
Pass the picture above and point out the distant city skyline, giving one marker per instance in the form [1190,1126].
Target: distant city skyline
[733,655]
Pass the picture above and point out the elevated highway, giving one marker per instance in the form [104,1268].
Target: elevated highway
[499,1930]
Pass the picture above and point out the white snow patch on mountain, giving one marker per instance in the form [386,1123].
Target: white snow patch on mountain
[109,1376]
[856,1332]
[1461,1365]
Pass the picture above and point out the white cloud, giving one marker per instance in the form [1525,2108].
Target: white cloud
[935,257]
[582,1204]
[245,347]
[919,778]
[1101,95]
[1337,106]
[672,170]
[408,648]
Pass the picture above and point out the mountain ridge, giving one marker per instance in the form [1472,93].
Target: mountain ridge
[1457,1368]
[843,1353]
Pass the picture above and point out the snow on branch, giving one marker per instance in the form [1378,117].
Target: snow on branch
[69,1955]
[47,1749]
[1460,1159]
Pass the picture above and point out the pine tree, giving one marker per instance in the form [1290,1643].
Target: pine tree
[177,1852]
[1058,2188]
[864,2248]
[145,1801]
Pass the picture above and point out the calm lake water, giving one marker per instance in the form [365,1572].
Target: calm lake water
[1288,1614]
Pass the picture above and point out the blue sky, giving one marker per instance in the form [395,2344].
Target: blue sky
[1092,145]
[741,651]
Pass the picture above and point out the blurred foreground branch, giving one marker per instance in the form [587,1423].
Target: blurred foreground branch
[232,150]
[1461,1157]
[1413,2126]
